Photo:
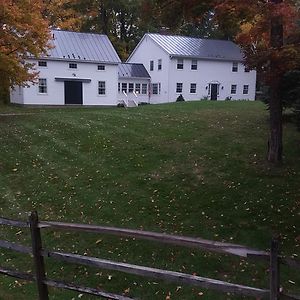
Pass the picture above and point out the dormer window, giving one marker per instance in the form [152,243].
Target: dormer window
[42,63]
[72,66]
[101,67]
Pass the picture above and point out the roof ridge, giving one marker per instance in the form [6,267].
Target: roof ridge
[189,37]
[64,30]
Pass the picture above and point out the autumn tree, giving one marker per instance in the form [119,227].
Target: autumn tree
[268,38]
[23,32]
[63,14]
[267,32]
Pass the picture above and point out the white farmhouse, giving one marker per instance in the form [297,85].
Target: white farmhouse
[196,68]
[81,68]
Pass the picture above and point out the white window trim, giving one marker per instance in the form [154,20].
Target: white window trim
[138,92]
[182,64]
[159,63]
[105,89]
[235,89]
[147,88]
[246,85]
[151,66]
[101,70]
[195,88]
[42,67]
[181,88]
[194,60]
[237,66]
[158,88]
[72,69]
[38,88]
[122,87]
[129,83]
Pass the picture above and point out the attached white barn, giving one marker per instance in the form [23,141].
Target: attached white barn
[82,69]
[195,68]
[134,84]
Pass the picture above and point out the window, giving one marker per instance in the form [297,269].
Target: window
[151,65]
[245,89]
[235,67]
[233,89]
[159,64]
[119,87]
[72,66]
[155,88]
[42,86]
[130,87]
[42,63]
[101,68]
[180,64]
[144,88]
[179,86]
[193,88]
[138,88]
[101,88]
[124,87]
[194,65]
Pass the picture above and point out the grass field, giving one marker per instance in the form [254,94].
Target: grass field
[195,169]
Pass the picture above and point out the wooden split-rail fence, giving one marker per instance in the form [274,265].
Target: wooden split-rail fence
[273,292]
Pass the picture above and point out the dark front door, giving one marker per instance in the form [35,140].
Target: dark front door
[73,92]
[213,91]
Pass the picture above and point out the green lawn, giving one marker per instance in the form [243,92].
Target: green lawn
[195,169]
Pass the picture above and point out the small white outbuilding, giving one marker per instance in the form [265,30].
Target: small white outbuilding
[80,69]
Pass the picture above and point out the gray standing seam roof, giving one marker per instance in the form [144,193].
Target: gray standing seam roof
[82,46]
[127,70]
[182,46]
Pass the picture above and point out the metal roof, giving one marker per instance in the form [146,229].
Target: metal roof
[127,70]
[82,46]
[182,46]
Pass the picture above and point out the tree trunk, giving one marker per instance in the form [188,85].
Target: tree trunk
[275,138]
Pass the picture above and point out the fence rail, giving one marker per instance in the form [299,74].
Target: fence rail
[39,253]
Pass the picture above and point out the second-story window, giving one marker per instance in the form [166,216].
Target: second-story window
[101,67]
[42,63]
[151,65]
[194,65]
[235,67]
[159,64]
[72,66]
[179,64]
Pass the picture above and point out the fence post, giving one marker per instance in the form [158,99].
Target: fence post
[36,242]
[274,270]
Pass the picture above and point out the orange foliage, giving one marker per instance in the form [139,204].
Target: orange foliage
[254,20]
[23,32]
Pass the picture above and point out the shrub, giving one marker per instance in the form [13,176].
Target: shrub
[180,98]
